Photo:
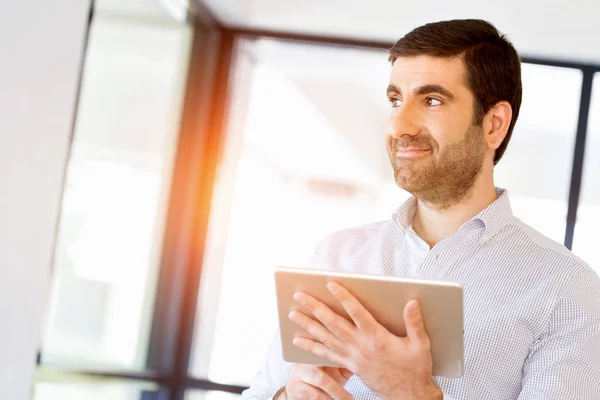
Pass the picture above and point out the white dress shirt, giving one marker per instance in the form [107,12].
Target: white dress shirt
[531,308]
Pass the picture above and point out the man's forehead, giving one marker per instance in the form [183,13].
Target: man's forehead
[448,71]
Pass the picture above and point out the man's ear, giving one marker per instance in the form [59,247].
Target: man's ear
[496,123]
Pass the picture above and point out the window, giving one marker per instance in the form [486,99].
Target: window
[585,239]
[536,167]
[211,395]
[279,193]
[97,391]
[116,191]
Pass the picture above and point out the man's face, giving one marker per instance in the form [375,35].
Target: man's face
[435,150]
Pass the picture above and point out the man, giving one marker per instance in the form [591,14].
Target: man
[532,309]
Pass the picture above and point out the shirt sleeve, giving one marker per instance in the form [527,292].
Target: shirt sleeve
[564,363]
[272,376]
[275,371]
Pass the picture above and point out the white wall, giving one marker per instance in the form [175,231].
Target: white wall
[41,47]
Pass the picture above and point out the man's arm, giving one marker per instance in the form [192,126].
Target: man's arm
[565,362]
[303,381]
[273,375]
[275,372]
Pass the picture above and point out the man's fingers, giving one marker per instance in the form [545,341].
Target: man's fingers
[415,328]
[317,330]
[319,349]
[360,315]
[308,391]
[335,323]
[340,375]
[346,373]
[319,379]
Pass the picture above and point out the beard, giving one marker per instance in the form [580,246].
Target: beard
[442,178]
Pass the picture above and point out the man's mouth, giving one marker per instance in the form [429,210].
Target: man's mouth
[411,152]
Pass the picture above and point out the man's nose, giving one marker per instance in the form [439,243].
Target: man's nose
[403,121]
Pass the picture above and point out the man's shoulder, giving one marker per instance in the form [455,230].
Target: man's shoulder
[360,234]
[350,249]
[348,242]
[545,250]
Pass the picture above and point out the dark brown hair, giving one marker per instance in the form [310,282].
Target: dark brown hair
[493,68]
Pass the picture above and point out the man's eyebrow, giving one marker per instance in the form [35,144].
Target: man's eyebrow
[423,90]
[392,89]
[428,89]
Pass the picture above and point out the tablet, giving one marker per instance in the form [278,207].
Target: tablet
[385,297]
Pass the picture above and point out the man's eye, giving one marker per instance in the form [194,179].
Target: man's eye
[433,102]
[395,102]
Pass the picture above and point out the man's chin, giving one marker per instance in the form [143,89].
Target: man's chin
[407,184]
[414,184]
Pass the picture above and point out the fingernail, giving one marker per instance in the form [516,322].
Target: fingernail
[346,373]
[300,298]
[333,287]
[413,308]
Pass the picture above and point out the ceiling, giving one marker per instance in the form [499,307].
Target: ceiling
[134,8]
[556,29]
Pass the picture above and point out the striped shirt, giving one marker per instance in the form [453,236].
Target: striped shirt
[531,308]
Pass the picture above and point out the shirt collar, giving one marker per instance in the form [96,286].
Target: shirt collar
[405,214]
[497,215]
[494,217]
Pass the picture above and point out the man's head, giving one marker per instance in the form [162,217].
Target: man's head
[455,90]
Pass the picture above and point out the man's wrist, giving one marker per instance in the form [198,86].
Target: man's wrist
[434,393]
[438,394]
[428,392]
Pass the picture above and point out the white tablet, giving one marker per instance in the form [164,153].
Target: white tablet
[385,297]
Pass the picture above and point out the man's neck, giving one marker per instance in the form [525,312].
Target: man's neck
[434,224]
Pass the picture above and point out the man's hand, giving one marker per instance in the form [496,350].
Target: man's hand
[392,367]
[316,383]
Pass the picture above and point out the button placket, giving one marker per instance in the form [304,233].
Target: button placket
[430,262]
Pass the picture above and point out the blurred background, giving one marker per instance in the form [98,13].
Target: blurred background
[212,141]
